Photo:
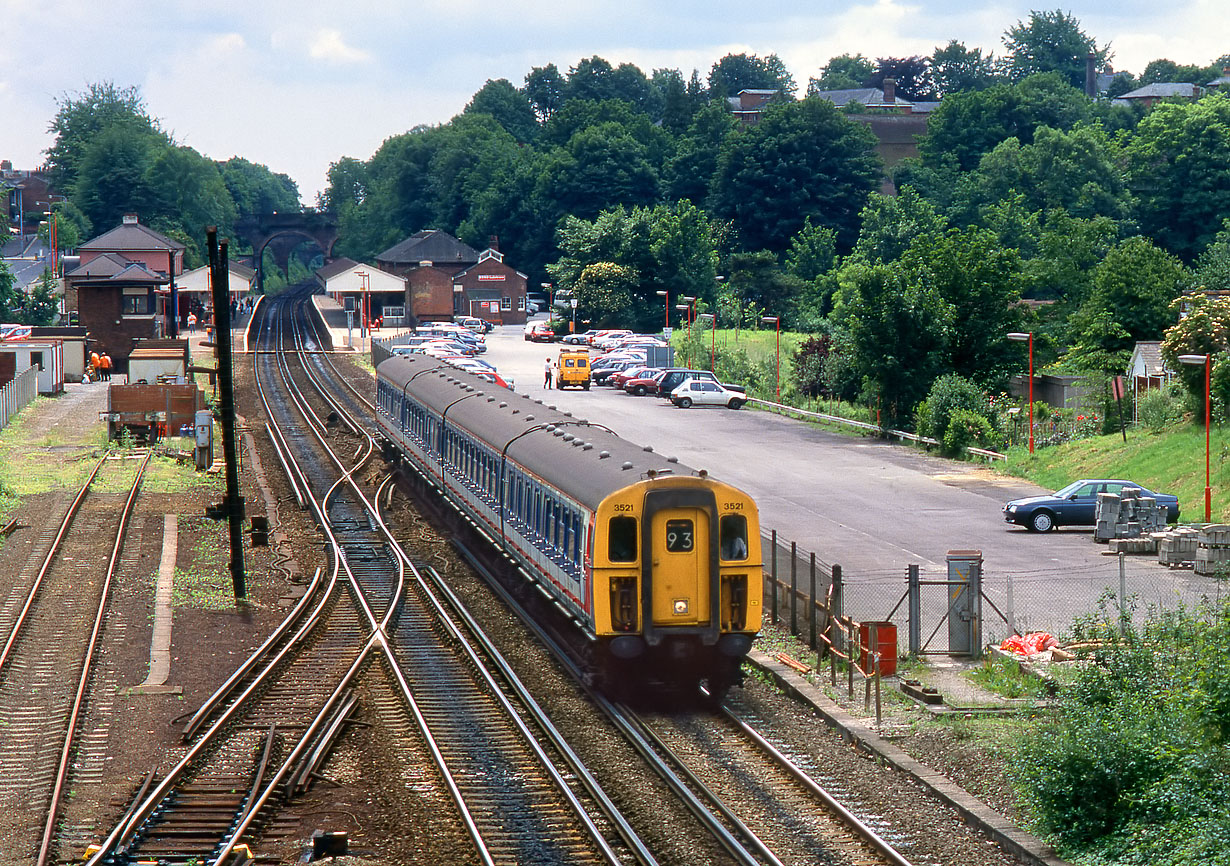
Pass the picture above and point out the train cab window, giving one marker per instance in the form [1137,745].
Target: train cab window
[733,533]
[621,539]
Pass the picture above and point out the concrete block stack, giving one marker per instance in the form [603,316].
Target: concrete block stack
[1143,544]
[1177,547]
[1213,549]
[1127,515]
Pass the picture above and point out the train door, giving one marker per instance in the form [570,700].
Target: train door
[680,564]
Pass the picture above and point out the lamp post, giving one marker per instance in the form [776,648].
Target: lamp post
[1030,338]
[362,275]
[546,289]
[683,314]
[712,320]
[574,316]
[777,323]
[1207,361]
[666,297]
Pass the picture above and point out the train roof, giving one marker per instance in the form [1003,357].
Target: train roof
[587,461]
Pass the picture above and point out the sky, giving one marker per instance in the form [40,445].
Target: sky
[298,84]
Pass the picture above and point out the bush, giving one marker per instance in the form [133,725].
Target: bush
[809,366]
[948,395]
[1160,407]
[965,429]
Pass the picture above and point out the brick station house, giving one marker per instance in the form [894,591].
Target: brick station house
[121,290]
[446,277]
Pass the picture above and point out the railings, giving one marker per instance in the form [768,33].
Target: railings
[18,394]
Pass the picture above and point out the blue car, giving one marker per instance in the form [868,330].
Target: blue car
[1076,504]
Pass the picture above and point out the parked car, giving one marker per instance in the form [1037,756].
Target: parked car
[539,332]
[475,324]
[697,392]
[644,384]
[600,375]
[1075,505]
[581,339]
[617,380]
[676,376]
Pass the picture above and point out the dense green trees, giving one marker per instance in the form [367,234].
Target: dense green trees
[1052,42]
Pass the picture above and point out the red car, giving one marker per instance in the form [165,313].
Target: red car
[539,332]
[644,384]
[617,380]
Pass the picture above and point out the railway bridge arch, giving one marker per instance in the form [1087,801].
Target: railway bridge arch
[282,232]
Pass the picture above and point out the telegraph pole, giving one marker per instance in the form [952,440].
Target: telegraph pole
[219,268]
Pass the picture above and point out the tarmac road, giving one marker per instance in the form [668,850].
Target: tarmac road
[872,506]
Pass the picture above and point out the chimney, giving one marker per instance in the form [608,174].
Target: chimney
[1091,76]
[130,219]
[890,90]
[493,242]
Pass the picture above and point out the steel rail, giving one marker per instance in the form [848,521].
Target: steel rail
[688,797]
[62,770]
[47,560]
[882,847]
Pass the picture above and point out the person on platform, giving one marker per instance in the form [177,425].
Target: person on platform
[104,367]
[192,323]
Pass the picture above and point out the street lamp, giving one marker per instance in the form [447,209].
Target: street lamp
[683,311]
[1207,361]
[709,317]
[546,288]
[362,275]
[666,297]
[574,315]
[777,322]
[1029,337]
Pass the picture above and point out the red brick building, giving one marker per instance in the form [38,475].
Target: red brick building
[446,278]
[121,290]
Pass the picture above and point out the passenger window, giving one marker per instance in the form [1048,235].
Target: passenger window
[621,539]
[733,532]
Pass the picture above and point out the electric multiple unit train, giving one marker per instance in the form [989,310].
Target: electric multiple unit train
[658,565]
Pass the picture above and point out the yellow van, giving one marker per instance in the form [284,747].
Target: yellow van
[573,369]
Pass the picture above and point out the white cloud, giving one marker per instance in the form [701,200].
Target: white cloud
[329,45]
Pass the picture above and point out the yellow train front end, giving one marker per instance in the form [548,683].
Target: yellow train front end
[678,581]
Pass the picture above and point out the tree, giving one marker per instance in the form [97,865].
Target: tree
[629,83]
[812,253]
[544,87]
[1133,288]
[955,68]
[83,116]
[601,166]
[678,109]
[690,170]
[1168,72]
[10,300]
[892,224]
[968,125]
[896,335]
[736,72]
[1205,329]
[509,107]
[846,72]
[1052,42]
[912,74]
[756,278]
[1179,168]
[41,306]
[1212,268]
[605,294]
[592,78]
[804,159]
[256,189]
[1075,171]
[112,175]
[981,281]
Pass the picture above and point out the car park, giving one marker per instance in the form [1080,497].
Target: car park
[698,392]
[1076,504]
[539,332]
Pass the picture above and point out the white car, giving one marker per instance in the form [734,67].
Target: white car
[698,392]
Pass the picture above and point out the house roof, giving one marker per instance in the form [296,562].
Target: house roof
[1150,355]
[431,245]
[112,266]
[132,236]
[1162,91]
[872,97]
[335,267]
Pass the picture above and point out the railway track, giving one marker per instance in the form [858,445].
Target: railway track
[51,623]
[263,737]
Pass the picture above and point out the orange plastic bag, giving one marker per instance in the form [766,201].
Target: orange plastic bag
[1031,644]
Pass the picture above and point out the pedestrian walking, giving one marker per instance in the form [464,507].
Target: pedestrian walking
[546,375]
[192,323]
